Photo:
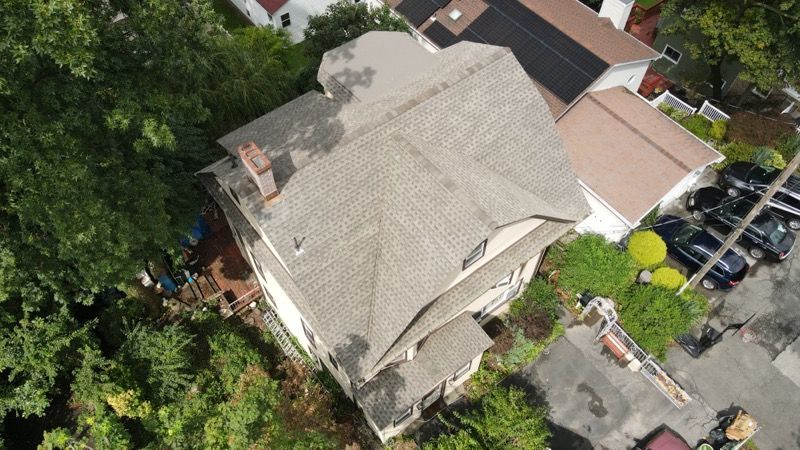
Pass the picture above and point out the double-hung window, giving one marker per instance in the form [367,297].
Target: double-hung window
[285,20]
[309,334]
[460,372]
[671,54]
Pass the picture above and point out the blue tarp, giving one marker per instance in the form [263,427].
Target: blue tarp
[167,283]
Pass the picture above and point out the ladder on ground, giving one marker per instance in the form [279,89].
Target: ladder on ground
[281,335]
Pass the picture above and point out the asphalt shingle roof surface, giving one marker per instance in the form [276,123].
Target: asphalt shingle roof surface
[389,196]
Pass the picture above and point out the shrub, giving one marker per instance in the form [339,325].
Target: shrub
[538,295]
[734,152]
[666,108]
[718,130]
[503,420]
[768,158]
[592,263]
[653,315]
[668,278]
[698,126]
[647,248]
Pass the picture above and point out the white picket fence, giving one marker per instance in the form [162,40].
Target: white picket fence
[674,102]
[712,113]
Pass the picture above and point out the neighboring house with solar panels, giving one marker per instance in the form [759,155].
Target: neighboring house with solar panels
[566,48]
[583,63]
[389,218]
[291,15]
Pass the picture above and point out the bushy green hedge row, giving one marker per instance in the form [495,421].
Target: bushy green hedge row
[653,315]
[592,263]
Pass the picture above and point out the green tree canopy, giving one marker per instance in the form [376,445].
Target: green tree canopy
[344,21]
[504,420]
[764,36]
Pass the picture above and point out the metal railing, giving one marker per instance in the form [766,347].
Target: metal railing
[674,102]
[712,113]
[648,367]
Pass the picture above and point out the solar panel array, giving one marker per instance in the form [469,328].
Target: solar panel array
[548,55]
[418,11]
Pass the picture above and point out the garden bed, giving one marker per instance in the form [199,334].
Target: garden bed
[518,338]
[651,313]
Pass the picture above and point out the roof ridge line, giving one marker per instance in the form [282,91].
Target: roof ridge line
[638,133]
[445,181]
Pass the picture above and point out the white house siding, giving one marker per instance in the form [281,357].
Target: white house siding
[500,239]
[628,75]
[299,11]
[603,220]
[253,11]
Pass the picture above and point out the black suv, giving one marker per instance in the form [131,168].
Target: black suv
[692,246]
[745,178]
[766,236]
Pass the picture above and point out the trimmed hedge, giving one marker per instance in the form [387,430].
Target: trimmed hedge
[668,278]
[698,126]
[653,316]
[592,263]
[718,130]
[647,248]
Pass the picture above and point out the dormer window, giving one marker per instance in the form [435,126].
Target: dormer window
[475,255]
[505,281]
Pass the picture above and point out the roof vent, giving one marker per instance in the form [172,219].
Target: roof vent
[455,14]
[259,169]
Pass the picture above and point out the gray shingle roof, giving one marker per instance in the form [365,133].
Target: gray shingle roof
[447,349]
[391,195]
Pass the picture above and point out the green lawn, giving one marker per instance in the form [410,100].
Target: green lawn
[231,17]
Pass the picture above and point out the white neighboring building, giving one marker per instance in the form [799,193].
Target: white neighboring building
[291,15]
[629,157]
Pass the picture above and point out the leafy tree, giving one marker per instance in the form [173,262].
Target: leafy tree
[342,21]
[764,36]
[160,361]
[668,278]
[504,420]
[35,352]
[345,21]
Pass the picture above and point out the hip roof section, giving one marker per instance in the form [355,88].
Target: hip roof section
[389,196]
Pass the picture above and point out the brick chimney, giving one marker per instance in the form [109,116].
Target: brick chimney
[616,10]
[259,169]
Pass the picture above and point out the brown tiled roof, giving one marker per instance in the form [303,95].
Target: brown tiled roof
[628,152]
[571,17]
[596,34]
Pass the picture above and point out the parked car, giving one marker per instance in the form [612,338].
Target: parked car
[746,178]
[765,237]
[692,246]
[665,439]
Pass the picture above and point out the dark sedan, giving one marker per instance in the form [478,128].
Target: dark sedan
[744,178]
[692,246]
[766,236]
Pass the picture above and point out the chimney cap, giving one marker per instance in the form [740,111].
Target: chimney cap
[254,158]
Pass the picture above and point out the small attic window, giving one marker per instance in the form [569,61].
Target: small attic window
[455,14]
[475,255]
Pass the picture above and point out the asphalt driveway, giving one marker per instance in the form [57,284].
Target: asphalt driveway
[758,369]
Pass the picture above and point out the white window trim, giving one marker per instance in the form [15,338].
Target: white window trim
[475,255]
[664,54]
[505,281]
[462,371]
[404,416]
[312,338]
